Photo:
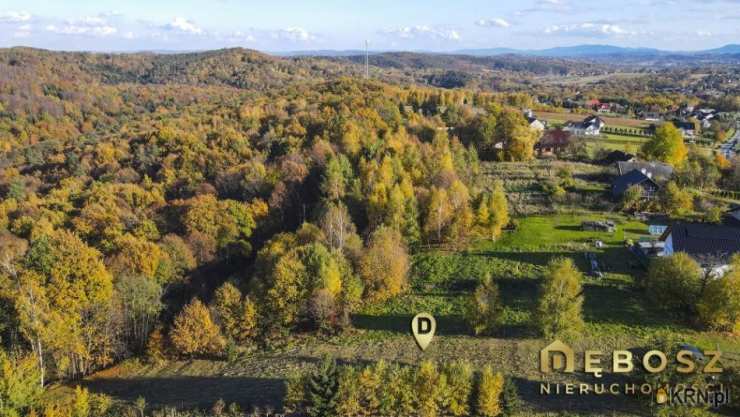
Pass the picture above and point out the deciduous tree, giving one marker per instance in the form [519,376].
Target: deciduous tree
[667,146]
[194,332]
[560,301]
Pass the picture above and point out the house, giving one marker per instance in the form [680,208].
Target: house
[687,128]
[604,108]
[592,104]
[590,126]
[733,214]
[711,245]
[553,142]
[534,123]
[658,171]
[643,179]
[652,116]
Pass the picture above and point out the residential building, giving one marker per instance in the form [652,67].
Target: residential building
[642,179]
[711,245]
[658,171]
[590,126]
[534,123]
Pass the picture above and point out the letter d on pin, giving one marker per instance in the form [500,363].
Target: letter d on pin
[423,327]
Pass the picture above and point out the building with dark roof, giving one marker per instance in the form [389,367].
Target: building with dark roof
[635,177]
[711,245]
[590,126]
[658,171]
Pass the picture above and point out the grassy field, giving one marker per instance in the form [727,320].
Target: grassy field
[616,315]
[629,144]
[560,118]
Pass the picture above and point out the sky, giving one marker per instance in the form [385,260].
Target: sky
[429,25]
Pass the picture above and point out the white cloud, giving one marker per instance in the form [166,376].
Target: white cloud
[239,37]
[293,34]
[68,29]
[703,33]
[111,13]
[546,6]
[88,25]
[424,31]
[588,30]
[497,22]
[182,25]
[14,17]
[23,31]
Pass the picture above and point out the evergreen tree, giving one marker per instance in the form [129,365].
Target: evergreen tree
[510,401]
[322,390]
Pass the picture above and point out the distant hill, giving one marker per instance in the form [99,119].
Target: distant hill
[325,53]
[596,51]
[727,49]
[578,52]
[564,51]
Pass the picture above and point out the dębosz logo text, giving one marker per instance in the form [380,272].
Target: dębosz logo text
[560,357]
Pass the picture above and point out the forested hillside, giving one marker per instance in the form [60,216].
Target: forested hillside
[132,183]
[202,206]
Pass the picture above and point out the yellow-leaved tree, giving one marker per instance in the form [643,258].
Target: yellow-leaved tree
[195,333]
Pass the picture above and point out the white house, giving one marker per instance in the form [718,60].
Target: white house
[590,126]
[534,123]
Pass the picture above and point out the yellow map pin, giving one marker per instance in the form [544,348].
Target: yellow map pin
[423,327]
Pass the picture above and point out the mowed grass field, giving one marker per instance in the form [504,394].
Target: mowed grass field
[563,117]
[610,141]
[617,317]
